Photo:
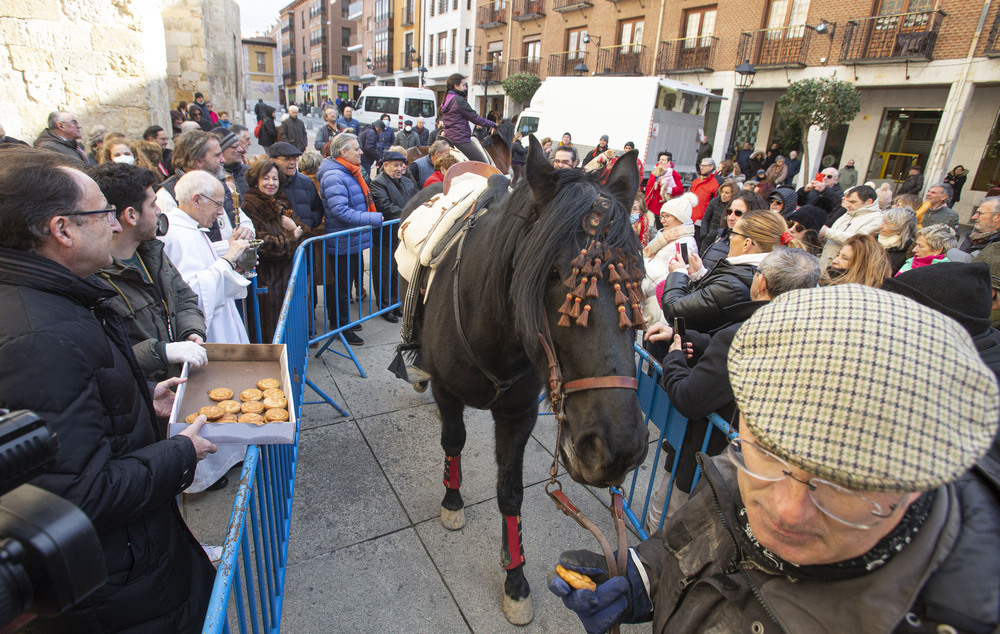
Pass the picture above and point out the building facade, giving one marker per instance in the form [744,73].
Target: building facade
[314,39]
[926,69]
[261,71]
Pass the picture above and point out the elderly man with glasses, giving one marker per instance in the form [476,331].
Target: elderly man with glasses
[825,185]
[986,229]
[856,498]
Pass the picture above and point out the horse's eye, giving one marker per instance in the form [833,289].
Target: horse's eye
[554,274]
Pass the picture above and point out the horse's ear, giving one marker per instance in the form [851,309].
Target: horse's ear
[623,181]
[538,172]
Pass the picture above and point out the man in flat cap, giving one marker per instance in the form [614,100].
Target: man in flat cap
[849,501]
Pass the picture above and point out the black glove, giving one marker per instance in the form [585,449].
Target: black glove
[616,599]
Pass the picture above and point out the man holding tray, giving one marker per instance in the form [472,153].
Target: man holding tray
[64,354]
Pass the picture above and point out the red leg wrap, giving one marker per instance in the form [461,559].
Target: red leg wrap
[453,471]
[512,553]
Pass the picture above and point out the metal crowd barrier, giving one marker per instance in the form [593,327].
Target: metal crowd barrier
[249,585]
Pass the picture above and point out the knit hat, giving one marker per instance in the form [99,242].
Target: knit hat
[679,208]
[900,402]
[226,138]
[957,289]
[604,138]
[991,255]
[809,216]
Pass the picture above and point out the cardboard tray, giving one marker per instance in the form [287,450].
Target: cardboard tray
[238,367]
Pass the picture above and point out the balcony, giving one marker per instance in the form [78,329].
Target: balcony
[286,26]
[354,72]
[993,41]
[354,44]
[443,6]
[287,78]
[627,59]
[382,65]
[491,15]
[408,15]
[887,38]
[565,6]
[563,64]
[528,10]
[355,10]
[406,62]
[687,55]
[530,65]
[496,76]
[784,47]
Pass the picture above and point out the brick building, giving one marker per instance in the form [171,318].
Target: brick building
[317,45]
[926,69]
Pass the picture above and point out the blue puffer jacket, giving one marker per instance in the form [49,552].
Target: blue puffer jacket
[306,203]
[344,204]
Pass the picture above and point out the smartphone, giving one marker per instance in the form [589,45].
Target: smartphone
[679,328]
[684,253]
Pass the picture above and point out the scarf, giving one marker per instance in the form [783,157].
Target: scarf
[980,236]
[355,171]
[897,539]
[925,260]
[890,242]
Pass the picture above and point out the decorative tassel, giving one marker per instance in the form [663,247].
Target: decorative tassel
[623,320]
[613,274]
[592,291]
[575,311]
[588,268]
[620,298]
[582,319]
[637,318]
[578,260]
[563,321]
[581,290]
[607,254]
[571,282]
[567,305]
[597,269]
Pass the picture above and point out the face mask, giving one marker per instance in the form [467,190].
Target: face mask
[124,158]
[407,128]
[634,218]
[162,225]
[890,242]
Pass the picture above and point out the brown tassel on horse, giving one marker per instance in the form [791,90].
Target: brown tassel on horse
[575,311]
[571,281]
[592,291]
[582,319]
[613,274]
[597,269]
[578,260]
[623,320]
[581,290]
[619,296]
[607,254]
[567,305]
[636,293]
[563,321]
[588,268]
[637,319]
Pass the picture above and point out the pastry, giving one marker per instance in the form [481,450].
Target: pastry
[275,416]
[253,407]
[275,402]
[256,419]
[212,412]
[252,394]
[220,394]
[267,384]
[575,579]
[230,407]
[191,417]
[228,418]
[274,393]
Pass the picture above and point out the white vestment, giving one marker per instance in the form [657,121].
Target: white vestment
[166,202]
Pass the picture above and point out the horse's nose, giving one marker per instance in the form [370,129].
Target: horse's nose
[593,452]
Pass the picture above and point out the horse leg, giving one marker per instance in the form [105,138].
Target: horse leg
[512,433]
[452,441]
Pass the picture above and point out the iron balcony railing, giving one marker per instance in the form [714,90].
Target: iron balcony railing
[528,9]
[993,41]
[496,76]
[406,62]
[564,64]
[885,38]
[781,47]
[687,55]
[563,6]
[624,59]
[491,15]
[442,58]
[408,15]
[530,65]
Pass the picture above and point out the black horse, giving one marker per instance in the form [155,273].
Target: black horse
[522,270]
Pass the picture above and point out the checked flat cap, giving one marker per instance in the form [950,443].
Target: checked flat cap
[865,388]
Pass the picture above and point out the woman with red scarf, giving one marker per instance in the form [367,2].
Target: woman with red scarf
[348,204]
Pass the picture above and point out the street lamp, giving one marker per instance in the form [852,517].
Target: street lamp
[581,68]
[487,71]
[744,79]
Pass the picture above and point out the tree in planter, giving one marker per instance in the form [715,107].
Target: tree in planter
[825,103]
[521,87]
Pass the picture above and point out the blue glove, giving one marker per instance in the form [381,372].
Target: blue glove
[617,599]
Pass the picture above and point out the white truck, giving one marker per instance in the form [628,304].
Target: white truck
[655,113]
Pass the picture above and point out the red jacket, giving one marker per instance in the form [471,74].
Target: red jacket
[653,200]
[704,188]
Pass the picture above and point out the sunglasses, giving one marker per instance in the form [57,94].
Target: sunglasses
[737,212]
[797,227]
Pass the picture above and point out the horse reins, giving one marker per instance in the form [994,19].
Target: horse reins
[557,395]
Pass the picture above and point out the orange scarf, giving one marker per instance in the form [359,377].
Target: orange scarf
[355,170]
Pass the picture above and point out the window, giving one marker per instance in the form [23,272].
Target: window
[381,46]
[303,14]
[533,51]
[303,44]
[382,104]
[631,35]
[574,43]
[261,62]
[699,27]
[989,167]
[494,52]
[418,108]
[889,7]
[345,65]
[442,48]
[345,36]
[786,13]
[315,37]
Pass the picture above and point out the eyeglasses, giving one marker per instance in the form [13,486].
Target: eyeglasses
[217,203]
[797,227]
[737,212]
[837,502]
[112,213]
[827,176]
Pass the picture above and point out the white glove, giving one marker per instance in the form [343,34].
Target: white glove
[186,351]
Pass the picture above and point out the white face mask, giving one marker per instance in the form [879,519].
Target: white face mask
[124,158]
[407,128]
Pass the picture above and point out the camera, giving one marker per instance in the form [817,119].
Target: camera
[50,555]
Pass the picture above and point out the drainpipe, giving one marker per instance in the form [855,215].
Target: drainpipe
[659,33]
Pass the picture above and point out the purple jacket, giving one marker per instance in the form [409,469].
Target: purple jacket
[456,113]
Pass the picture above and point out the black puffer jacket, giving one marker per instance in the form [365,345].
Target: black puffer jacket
[66,356]
[711,222]
[392,194]
[703,304]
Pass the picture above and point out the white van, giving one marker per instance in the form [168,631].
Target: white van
[399,102]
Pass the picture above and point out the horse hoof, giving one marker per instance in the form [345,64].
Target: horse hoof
[420,387]
[518,611]
[453,520]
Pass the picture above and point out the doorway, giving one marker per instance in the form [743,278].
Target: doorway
[905,137]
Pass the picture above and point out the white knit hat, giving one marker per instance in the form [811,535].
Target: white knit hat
[679,208]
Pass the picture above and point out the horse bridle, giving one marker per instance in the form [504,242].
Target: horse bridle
[557,395]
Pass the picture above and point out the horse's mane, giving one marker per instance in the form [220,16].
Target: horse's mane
[531,239]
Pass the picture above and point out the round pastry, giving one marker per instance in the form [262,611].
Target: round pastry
[212,412]
[230,407]
[267,384]
[275,416]
[220,394]
[252,407]
[274,393]
[252,394]
[275,402]
[256,419]
[191,417]
[228,418]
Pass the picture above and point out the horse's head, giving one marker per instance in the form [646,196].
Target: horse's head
[574,272]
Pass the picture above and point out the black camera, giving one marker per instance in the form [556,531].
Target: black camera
[50,555]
